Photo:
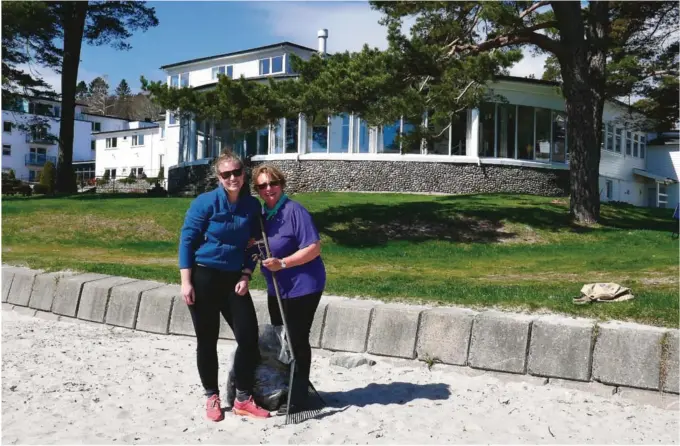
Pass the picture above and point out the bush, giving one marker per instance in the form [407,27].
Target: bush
[12,175]
[161,173]
[48,177]
[41,189]
[128,180]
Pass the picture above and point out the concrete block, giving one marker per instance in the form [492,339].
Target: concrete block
[628,355]
[317,325]
[124,302]
[155,306]
[445,334]
[95,297]
[7,277]
[561,347]
[44,289]
[261,310]
[22,286]
[7,307]
[500,341]
[46,315]
[180,320]
[69,290]
[394,329]
[346,326]
[670,363]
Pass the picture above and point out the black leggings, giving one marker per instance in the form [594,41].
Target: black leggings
[299,316]
[214,294]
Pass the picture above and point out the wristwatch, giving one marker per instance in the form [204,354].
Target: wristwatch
[283,263]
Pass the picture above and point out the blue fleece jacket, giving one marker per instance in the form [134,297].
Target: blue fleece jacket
[216,232]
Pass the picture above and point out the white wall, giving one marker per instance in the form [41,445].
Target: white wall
[108,124]
[125,156]
[664,160]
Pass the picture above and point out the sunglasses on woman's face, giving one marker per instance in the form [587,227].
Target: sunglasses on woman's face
[263,186]
[228,173]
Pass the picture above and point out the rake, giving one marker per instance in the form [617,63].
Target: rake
[311,390]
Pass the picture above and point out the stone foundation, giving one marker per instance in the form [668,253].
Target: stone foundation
[391,176]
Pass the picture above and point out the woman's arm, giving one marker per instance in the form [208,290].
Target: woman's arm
[299,257]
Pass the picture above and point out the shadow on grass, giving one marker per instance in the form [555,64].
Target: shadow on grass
[470,219]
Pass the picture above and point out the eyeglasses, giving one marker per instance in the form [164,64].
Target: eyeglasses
[228,173]
[263,186]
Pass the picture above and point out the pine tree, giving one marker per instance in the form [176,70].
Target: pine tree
[123,106]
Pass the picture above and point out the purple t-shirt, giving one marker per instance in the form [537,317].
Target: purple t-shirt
[289,230]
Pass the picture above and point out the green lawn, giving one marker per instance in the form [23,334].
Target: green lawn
[515,252]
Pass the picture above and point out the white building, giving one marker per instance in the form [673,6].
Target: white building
[137,151]
[663,165]
[516,145]
[27,152]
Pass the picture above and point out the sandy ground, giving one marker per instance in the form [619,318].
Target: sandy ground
[66,382]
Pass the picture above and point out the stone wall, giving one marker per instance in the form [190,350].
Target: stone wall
[391,176]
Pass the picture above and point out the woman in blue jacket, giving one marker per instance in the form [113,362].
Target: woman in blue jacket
[215,272]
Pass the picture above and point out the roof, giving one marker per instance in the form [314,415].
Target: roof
[664,139]
[236,53]
[254,78]
[658,178]
[533,81]
[109,116]
[146,127]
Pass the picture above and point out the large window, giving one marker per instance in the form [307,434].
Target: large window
[291,135]
[629,143]
[610,137]
[390,144]
[271,65]
[277,130]
[362,137]
[227,70]
[505,135]
[543,134]
[459,134]
[643,146]
[525,133]
[317,135]
[439,144]
[111,143]
[635,145]
[339,134]
[559,138]
[179,80]
[617,140]
[263,141]
[487,112]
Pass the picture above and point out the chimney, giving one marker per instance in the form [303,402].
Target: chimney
[322,35]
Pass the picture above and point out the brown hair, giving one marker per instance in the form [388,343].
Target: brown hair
[225,156]
[274,174]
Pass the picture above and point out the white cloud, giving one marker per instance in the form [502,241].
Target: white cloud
[350,25]
[529,65]
[53,78]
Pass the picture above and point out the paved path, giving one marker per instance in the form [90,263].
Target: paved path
[67,382]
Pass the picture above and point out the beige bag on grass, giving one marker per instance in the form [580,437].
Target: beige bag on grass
[603,292]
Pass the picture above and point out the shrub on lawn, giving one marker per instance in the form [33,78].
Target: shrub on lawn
[48,177]
[41,189]
[12,175]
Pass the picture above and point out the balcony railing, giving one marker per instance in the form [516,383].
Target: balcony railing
[38,159]
[40,139]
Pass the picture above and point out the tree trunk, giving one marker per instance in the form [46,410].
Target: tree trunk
[584,106]
[73,18]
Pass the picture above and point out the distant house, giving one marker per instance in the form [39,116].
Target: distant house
[663,165]
[26,152]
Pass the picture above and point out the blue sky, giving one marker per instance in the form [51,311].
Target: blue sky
[189,30]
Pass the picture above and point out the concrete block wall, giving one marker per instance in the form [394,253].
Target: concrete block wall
[556,347]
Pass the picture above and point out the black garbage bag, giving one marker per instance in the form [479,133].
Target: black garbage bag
[271,375]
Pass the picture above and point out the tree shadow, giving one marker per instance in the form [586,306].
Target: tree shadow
[469,219]
[384,394]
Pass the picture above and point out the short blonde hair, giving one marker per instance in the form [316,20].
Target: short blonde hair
[274,174]
[225,156]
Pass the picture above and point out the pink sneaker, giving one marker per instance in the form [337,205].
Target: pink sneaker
[249,408]
[213,408]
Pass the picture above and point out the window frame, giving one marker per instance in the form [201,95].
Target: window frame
[7,147]
[270,62]
[135,140]
[4,127]
[112,143]
[225,71]
[609,189]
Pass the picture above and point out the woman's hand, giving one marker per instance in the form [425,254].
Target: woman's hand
[272,264]
[242,286]
[188,293]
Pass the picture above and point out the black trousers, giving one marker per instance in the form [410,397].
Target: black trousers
[215,295]
[299,313]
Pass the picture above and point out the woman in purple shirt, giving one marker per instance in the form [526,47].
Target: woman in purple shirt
[300,273]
